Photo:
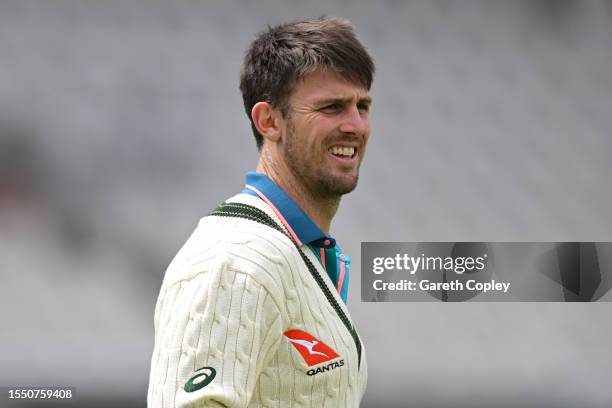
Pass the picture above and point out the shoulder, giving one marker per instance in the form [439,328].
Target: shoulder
[229,245]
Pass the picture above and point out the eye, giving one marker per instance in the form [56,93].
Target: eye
[363,107]
[331,108]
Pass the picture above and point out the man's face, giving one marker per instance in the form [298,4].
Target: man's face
[326,133]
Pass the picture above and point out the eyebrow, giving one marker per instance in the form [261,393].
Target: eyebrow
[344,101]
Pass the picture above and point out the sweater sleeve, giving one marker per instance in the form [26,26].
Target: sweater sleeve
[214,334]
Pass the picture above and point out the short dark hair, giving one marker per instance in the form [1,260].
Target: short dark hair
[281,55]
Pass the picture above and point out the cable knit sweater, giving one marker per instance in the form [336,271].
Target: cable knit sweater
[230,322]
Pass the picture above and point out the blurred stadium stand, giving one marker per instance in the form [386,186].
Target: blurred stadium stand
[121,124]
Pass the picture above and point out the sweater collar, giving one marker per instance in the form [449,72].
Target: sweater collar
[300,226]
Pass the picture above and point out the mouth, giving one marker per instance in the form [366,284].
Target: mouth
[343,152]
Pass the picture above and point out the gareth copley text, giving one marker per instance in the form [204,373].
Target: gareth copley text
[413,264]
[455,285]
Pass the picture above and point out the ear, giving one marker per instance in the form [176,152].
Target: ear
[266,120]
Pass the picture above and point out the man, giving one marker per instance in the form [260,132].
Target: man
[252,310]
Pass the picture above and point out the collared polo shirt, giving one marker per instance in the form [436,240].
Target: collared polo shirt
[303,230]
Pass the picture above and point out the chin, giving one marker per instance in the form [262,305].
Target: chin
[338,186]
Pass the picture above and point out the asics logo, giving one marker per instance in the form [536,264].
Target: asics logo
[202,379]
[312,350]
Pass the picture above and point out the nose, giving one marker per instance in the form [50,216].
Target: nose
[355,122]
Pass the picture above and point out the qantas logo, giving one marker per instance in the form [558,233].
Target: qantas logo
[312,350]
[309,345]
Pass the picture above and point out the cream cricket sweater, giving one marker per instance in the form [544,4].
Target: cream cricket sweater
[227,302]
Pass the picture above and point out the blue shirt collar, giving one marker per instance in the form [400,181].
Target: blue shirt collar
[306,230]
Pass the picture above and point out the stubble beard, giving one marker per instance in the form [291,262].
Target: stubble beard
[311,175]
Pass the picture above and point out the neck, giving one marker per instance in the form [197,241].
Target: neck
[321,210]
